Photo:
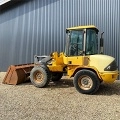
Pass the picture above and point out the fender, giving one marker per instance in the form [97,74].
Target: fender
[88,68]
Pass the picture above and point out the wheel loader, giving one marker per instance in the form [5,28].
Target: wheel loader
[83,60]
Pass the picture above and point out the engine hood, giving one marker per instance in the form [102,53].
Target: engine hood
[100,61]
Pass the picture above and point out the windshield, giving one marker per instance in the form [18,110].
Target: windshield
[91,42]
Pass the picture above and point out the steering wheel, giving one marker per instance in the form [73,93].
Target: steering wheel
[74,46]
[80,52]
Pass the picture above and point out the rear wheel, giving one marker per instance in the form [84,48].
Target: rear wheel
[56,76]
[39,77]
[86,82]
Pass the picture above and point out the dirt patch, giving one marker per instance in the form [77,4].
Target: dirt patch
[58,101]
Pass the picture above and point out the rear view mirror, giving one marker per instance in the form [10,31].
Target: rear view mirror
[101,40]
[101,43]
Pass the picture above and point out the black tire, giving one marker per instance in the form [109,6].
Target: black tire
[86,82]
[56,76]
[39,77]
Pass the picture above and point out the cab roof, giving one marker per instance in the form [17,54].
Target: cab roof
[82,27]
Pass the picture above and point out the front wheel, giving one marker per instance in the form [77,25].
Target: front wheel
[86,82]
[39,77]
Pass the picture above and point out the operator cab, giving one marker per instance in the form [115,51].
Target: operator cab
[82,40]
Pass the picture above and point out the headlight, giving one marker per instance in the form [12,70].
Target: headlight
[111,67]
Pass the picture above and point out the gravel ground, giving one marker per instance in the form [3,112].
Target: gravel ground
[59,101]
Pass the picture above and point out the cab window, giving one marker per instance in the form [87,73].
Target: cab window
[76,43]
[91,42]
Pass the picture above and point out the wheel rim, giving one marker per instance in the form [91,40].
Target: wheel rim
[85,82]
[38,77]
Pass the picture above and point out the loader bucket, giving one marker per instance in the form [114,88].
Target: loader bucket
[17,74]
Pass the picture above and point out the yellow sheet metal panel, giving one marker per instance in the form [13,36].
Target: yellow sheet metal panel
[109,77]
[71,71]
[75,60]
[100,62]
[58,68]
[82,27]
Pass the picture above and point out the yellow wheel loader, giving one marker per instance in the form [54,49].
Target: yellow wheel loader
[81,60]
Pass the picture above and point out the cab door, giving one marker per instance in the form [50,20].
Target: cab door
[75,48]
